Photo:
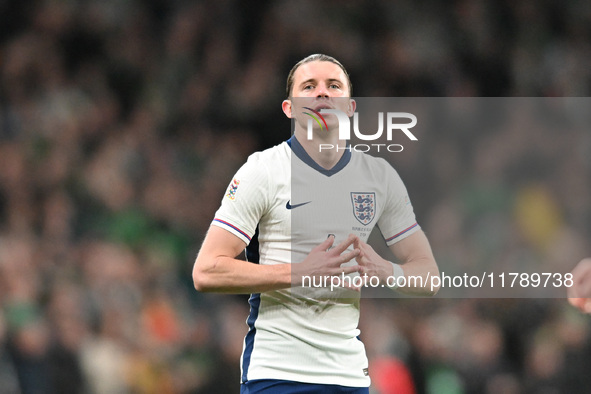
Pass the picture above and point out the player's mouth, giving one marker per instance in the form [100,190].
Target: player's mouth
[320,106]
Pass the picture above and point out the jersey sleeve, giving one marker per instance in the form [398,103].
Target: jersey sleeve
[398,220]
[245,201]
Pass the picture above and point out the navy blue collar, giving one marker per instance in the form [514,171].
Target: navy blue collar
[300,152]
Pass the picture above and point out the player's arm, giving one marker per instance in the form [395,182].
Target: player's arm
[416,259]
[216,268]
[579,295]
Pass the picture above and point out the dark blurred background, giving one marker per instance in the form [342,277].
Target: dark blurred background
[122,122]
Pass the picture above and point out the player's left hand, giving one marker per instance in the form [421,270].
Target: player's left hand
[372,263]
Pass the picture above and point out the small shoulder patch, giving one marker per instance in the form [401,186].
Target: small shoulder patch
[232,189]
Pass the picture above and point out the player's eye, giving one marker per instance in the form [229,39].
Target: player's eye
[308,87]
[335,86]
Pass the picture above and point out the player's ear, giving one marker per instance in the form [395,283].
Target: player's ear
[286,107]
[351,108]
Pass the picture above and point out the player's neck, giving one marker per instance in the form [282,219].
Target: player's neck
[325,152]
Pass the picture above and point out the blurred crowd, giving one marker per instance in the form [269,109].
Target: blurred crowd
[122,122]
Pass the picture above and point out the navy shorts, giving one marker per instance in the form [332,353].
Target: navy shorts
[272,386]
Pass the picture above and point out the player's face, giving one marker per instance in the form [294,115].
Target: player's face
[320,79]
[318,85]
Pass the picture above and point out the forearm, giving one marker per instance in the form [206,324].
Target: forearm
[228,275]
[418,263]
[218,270]
[418,274]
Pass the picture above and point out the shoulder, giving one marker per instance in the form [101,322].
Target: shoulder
[264,171]
[376,165]
[270,158]
[280,151]
[381,172]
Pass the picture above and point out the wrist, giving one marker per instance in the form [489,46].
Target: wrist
[397,272]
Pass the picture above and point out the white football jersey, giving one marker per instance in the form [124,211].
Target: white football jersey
[309,334]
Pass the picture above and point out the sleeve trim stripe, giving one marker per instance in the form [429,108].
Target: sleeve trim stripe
[402,232]
[233,227]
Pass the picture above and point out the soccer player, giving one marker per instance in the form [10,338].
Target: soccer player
[580,293]
[304,213]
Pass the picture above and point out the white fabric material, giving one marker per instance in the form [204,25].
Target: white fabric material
[310,334]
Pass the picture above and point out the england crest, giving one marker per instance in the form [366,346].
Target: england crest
[364,207]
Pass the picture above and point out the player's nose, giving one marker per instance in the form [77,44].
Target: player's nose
[322,91]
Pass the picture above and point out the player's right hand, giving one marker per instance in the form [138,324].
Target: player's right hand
[326,260]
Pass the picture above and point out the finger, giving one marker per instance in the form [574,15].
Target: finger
[350,269]
[573,293]
[584,288]
[582,304]
[340,248]
[580,289]
[327,244]
[363,248]
[360,258]
[346,257]
[583,268]
[576,302]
